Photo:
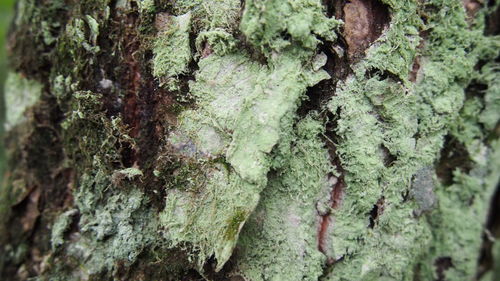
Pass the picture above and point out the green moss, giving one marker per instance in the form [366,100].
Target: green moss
[77,41]
[116,220]
[187,176]
[31,47]
[234,225]
[88,133]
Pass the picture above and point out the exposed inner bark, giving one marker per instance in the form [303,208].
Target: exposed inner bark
[364,22]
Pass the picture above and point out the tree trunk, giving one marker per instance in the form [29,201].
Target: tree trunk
[252,140]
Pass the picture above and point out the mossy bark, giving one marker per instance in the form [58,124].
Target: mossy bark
[252,140]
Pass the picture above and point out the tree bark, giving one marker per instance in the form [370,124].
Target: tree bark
[252,140]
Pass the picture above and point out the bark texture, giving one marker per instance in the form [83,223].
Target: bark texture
[252,140]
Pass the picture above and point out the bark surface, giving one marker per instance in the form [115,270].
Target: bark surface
[252,140]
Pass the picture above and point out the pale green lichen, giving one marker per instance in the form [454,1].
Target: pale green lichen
[457,230]
[48,38]
[172,52]
[60,226]
[219,40]
[359,147]
[495,273]
[381,118]
[265,22]
[491,114]
[288,234]
[210,14]
[61,87]
[458,223]
[115,225]
[94,29]
[246,161]
[214,22]
[75,31]
[422,189]
[258,126]
[244,110]
[129,173]
[20,94]
[17,254]
[147,6]
[395,50]
[245,106]
[24,9]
